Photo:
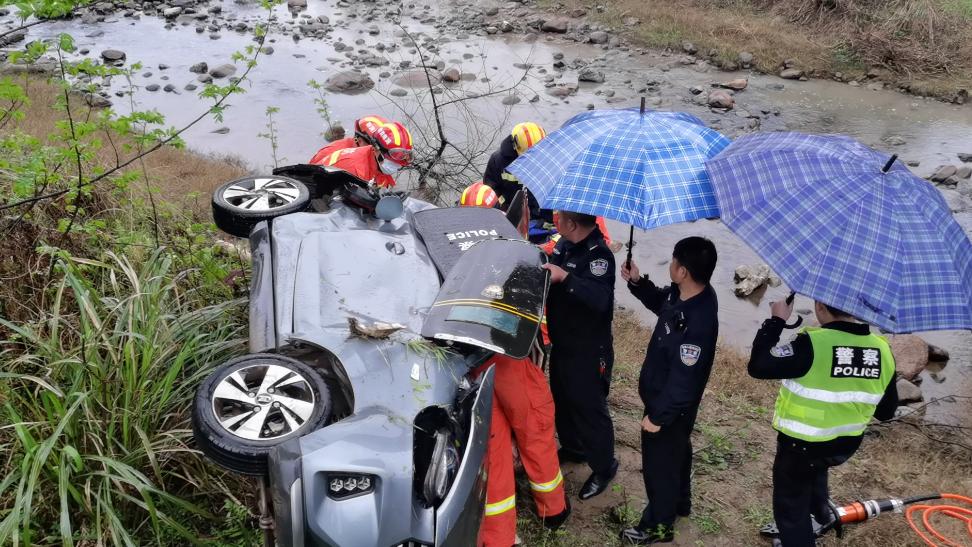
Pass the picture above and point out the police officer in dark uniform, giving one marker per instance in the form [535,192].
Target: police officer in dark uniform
[580,309]
[834,380]
[673,377]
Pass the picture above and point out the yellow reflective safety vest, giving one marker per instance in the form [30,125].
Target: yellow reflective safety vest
[840,393]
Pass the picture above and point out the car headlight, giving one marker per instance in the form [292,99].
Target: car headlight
[348,485]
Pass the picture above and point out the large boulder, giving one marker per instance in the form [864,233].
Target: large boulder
[791,74]
[910,355]
[908,392]
[556,25]
[943,173]
[745,59]
[349,82]
[720,99]
[113,55]
[738,84]
[223,71]
[590,75]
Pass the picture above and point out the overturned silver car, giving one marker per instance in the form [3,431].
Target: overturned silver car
[367,313]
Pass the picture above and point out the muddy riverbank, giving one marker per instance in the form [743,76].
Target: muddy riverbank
[527,69]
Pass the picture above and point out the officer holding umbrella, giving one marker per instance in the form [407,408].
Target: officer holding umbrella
[639,167]
[871,245]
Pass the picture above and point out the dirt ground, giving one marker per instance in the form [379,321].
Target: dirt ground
[734,446]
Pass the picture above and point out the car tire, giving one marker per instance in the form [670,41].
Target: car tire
[240,204]
[253,403]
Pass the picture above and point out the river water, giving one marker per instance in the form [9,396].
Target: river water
[931,132]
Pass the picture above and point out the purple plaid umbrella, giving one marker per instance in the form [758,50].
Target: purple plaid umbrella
[847,226]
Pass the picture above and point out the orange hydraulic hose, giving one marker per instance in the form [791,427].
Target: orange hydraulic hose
[950,510]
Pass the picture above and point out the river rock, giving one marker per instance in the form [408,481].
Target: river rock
[296,4]
[556,25]
[588,74]
[223,71]
[113,55]
[908,392]
[172,13]
[398,92]
[894,140]
[943,173]
[199,68]
[738,84]
[96,101]
[417,78]
[13,38]
[191,87]
[690,48]
[221,130]
[510,100]
[964,172]
[720,99]
[152,87]
[791,74]
[910,355]
[451,74]
[598,37]
[169,88]
[577,13]
[205,78]
[745,59]
[559,91]
[965,157]
[349,82]
[749,278]
[334,133]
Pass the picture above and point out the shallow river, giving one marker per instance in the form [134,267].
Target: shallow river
[932,132]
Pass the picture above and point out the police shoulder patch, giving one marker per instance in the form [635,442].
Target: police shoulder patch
[599,267]
[690,354]
[786,350]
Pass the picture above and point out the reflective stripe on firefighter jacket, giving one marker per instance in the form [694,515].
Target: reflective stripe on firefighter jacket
[361,163]
[840,393]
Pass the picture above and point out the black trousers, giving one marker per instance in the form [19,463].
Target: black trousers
[580,388]
[666,467]
[800,490]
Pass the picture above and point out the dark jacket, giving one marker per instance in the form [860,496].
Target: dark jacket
[680,354]
[507,187]
[581,308]
[795,362]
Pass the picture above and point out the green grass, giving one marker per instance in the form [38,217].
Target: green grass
[97,393]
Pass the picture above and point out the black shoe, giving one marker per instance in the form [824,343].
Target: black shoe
[683,510]
[595,484]
[556,521]
[571,456]
[637,536]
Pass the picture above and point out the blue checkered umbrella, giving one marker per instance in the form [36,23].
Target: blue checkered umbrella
[845,225]
[640,168]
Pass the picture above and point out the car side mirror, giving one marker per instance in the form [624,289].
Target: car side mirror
[389,208]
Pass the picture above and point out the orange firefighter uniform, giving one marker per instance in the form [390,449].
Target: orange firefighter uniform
[330,148]
[523,409]
[360,162]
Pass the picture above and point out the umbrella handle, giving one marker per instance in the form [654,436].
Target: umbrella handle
[799,319]
[630,245]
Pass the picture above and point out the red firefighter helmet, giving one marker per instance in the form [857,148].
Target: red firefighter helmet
[478,195]
[394,142]
[365,128]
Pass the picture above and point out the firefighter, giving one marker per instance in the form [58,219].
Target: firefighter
[523,409]
[580,309]
[364,130]
[521,139]
[376,164]
[673,377]
[835,378]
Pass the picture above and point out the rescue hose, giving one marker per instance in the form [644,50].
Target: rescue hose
[926,511]
[860,511]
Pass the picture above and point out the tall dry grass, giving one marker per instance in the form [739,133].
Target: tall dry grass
[925,45]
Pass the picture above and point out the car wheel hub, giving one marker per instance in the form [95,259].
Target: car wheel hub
[261,193]
[244,406]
